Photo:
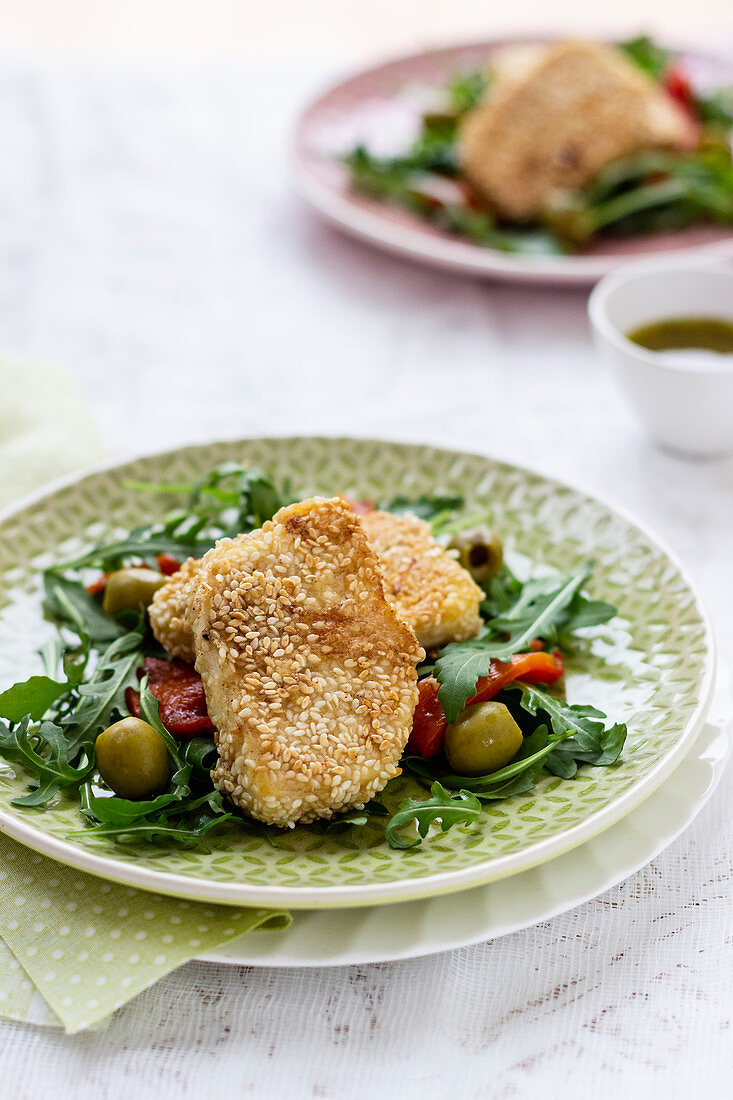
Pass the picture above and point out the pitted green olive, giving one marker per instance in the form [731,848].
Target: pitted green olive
[480,552]
[131,589]
[132,759]
[566,214]
[483,739]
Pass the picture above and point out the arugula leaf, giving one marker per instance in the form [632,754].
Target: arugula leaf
[413,182]
[542,599]
[113,810]
[357,818]
[521,603]
[462,809]
[150,712]
[143,542]
[104,692]
[479,226]
[31,698]
[50,752]
[182,534]
[71,658]
[518,777]
[226,501]
[502,591]
[466,90]
[121,812]
[174,817]
[580,736]
[716,107]
[434,150]
[645,193]
[68,602]
[245,489]
[587,738]
[185,822]
[154,832]
[201,754]
[252,493]
[46,754]
[650,57]
[582,612]
[534,614]
[424,507]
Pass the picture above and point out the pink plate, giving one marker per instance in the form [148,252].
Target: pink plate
[381,107]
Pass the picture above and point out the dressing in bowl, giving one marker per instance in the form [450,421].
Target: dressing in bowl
[681,391]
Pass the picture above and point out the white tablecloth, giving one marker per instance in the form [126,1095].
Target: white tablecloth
[148,239]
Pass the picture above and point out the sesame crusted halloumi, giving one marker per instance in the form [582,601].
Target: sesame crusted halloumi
[555,115]
[426,585]
[167,612]
[309,674]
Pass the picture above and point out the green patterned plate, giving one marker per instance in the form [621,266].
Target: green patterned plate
[651,667]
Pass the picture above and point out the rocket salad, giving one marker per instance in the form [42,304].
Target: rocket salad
[642,187]
[109,683]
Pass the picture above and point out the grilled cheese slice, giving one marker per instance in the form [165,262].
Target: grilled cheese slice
[424,582]
[554,116]
[310,676]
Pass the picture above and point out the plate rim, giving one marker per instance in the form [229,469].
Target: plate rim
[723,725]
[457,255]
[327,897]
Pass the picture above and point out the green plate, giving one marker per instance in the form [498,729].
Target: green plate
[651,667]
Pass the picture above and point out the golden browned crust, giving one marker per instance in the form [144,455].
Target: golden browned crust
[555,116]
[168,611]
[310,676]
[427,586]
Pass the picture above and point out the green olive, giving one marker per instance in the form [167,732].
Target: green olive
[483,739]
[132,759]
[131,589]
[566,214]
[480,552]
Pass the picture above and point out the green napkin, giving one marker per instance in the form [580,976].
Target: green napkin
[46,428]
[76,947]
[88,946]
[19,998]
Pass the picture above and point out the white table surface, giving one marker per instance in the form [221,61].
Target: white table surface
[148,240]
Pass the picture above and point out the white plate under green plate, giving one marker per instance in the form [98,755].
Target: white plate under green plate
[346,937]
[651,667]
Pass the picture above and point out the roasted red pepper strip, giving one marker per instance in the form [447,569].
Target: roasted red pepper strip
[167,564]
[677,85]
[98,586]
[180,693]
[535,668]
[429,722]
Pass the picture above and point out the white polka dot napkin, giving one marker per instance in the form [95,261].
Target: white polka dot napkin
[87,946]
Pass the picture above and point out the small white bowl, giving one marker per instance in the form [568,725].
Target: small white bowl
[684,399]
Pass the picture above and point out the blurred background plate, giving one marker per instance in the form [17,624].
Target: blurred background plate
[384,102]
[651,666]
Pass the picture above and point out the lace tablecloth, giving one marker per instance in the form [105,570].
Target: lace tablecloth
[148,240]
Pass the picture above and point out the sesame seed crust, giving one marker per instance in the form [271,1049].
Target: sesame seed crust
[426,585]
[309,673]
[169,608]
